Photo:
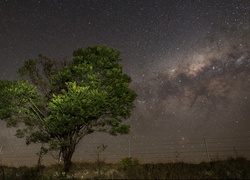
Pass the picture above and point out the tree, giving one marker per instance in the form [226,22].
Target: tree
[100,162]
[63,102]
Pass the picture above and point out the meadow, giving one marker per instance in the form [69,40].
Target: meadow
[131,168]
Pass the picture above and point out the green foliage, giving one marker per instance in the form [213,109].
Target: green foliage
[16,98]
[62,102]
[5,100]
[129,162]
[94,94]
[20,104]
[75,107]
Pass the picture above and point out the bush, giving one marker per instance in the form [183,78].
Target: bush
[129,162]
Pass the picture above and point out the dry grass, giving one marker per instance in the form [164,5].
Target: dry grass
[129,168]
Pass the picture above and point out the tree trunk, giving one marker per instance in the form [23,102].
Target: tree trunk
[67,165]
[67,153]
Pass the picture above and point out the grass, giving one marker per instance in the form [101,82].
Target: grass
[129,168]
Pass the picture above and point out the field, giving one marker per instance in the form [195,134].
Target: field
[130,168]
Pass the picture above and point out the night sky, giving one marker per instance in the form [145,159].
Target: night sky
[189,59]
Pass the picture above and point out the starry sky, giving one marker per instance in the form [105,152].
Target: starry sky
[189,59]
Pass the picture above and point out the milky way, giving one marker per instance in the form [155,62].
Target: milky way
[208,77]
[206,87]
